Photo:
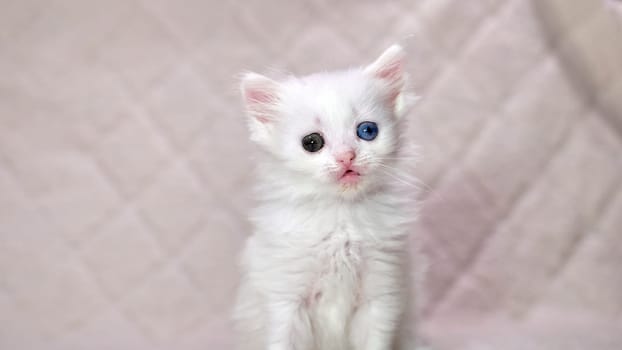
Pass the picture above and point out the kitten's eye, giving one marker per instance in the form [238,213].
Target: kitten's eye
[313,142]
[367,131]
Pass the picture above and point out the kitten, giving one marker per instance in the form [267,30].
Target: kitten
[327,267]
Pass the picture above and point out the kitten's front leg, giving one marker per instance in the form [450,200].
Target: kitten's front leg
[378,319]
[289,327]
[377,323]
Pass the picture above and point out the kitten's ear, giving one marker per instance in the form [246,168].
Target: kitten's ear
[389,69]
[261,98]
[389,66]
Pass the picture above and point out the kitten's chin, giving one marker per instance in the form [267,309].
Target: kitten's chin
[353,186]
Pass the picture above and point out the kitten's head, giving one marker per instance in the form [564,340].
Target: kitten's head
[335,132]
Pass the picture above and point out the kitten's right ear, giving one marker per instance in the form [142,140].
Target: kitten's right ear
[261,98]
[389,69]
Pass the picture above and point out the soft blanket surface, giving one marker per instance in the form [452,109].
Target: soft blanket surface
[125,171]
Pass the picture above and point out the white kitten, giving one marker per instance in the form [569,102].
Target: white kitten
[328,265]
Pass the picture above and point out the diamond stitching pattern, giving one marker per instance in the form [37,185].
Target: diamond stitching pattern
[123,152]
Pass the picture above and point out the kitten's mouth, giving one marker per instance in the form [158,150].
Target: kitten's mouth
[349,177]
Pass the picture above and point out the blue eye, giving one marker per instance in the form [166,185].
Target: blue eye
[367,131]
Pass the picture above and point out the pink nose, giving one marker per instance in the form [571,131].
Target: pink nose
[345,158]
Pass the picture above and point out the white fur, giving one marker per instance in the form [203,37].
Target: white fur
[327,267]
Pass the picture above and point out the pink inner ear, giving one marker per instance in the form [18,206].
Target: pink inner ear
[259,100]
[258,96]
[391,72]
[262,119]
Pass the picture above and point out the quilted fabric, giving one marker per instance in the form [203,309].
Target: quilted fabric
[125,170]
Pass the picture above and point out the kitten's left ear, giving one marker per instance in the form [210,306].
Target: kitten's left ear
[389,69]
[261,98]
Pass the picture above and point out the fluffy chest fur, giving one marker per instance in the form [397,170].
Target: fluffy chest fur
[317,255]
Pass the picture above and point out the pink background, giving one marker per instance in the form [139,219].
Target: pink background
[125,171]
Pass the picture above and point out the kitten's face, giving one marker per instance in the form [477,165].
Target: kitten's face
[335,132]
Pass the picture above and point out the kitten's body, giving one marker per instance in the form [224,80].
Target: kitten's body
[327,267]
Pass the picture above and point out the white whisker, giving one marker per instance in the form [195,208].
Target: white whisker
[407,179]
[400,180]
